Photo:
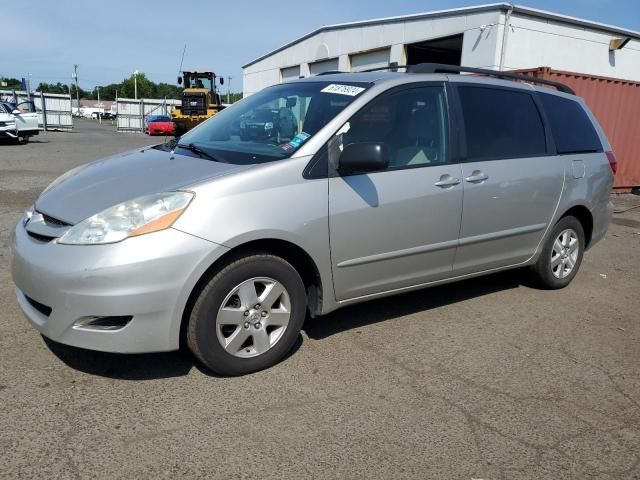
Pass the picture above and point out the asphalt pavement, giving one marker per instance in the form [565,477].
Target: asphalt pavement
[485,379]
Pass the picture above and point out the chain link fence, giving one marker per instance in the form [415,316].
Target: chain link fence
[131,112]
[53,109]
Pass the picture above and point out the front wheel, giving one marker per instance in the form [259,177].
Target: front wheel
[561,256]
[248,316]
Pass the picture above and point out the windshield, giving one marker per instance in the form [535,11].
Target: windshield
[197,81]
[273,123]
[159,118]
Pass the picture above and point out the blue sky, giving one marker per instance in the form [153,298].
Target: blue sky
[109,40]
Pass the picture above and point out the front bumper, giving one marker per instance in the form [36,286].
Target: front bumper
[161,131]
[9,130]
[148,277]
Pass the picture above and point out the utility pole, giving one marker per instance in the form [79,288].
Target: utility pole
[99,112]
[75,76]
[228,89]
[29,86]
[135,84]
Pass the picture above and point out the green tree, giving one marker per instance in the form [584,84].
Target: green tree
[60,88]
[146,88]
[166,90]
[107,92]
[12,83]
[233,97]
[52,88]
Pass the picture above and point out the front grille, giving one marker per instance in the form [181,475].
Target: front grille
[43,309]
[40,238]
[54,221]
[194,104]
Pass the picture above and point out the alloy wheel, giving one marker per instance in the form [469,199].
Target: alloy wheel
[253,317]
[564,253]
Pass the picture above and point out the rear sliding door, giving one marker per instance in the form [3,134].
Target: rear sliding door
[512,180]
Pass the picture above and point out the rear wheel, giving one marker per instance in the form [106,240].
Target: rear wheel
[562,255]
[248,316]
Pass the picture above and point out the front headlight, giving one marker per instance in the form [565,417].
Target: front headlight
[147,214]
[28,213]
[268,126]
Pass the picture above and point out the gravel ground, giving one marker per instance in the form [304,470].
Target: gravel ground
[485,379]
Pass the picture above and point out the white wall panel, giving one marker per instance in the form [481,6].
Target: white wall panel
[532,42]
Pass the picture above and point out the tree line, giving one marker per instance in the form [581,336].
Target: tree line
[124,89]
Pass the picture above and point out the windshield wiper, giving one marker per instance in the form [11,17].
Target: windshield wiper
[197,150]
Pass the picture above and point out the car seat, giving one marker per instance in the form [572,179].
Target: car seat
[421,144]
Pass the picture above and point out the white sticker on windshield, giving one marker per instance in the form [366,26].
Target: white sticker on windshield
[342,89]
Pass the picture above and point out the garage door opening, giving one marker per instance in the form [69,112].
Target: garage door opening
[322,66]
[447,50]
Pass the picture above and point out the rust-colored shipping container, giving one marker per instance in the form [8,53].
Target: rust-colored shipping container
[616,104]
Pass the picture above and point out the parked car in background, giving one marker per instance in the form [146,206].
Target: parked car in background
[104,115]
[18,121]
[398,181]
[275,124]
[158,125]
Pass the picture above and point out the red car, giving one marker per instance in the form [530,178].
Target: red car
[158,125]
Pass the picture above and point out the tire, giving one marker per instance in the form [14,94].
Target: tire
[559,262]
[264,342]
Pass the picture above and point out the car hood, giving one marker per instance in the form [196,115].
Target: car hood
[91,188]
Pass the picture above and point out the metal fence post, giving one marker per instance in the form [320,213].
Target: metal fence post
[44,111]
[71,110]
[142,115]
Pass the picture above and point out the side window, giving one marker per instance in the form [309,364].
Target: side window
[501,123]
[572,129]
[411,123]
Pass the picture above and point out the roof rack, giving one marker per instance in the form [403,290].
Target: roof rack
[442,68]
[330,72]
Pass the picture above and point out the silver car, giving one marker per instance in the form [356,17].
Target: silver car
[395,182]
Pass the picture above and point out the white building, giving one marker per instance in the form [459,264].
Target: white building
[472,36]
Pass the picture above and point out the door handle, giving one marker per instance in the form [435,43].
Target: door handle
[477,177]
[447,181]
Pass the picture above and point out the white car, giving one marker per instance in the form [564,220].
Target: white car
[18,121]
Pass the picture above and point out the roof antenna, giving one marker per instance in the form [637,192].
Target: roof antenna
[182,59]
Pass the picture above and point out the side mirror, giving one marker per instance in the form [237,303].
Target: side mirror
[179,80]
[291,102]
[16,111]
[362,158]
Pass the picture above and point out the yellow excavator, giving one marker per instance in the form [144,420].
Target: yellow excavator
[200,100]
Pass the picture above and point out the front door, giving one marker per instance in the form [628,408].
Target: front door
[398,227]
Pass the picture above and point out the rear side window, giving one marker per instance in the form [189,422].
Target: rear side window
[572,129]
[501,123]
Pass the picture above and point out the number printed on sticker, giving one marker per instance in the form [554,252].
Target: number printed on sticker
[342,89]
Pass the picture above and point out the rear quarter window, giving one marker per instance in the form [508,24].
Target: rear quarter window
[501,123]
[570,125]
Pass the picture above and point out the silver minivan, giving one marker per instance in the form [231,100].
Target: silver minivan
[391,182]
